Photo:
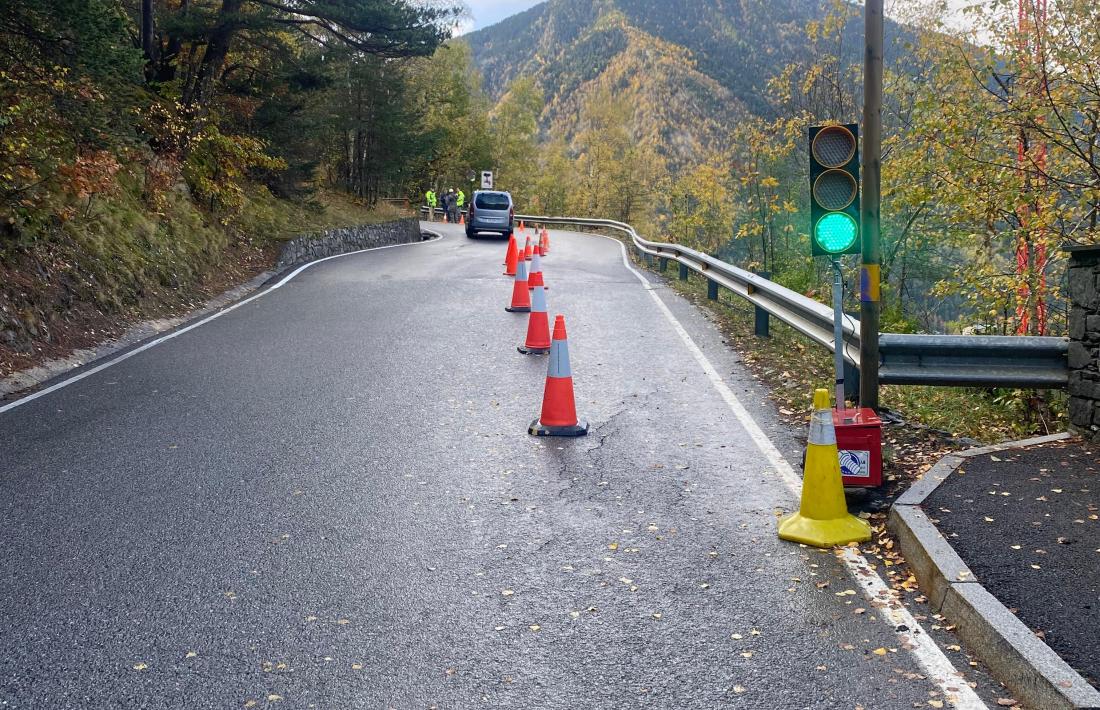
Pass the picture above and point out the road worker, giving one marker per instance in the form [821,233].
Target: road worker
[430,198]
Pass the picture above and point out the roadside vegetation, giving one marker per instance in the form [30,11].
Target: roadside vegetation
[151,150]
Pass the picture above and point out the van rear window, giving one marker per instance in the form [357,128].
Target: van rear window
[492,202]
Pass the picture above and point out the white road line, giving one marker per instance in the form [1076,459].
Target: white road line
[175,333]
[931,657]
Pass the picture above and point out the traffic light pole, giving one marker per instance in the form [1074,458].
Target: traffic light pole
[869,308]
[838,331]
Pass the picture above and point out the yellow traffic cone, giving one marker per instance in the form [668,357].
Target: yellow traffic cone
[823,519]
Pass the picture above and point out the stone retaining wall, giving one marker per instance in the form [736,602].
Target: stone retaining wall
[1083,284]
[347,239]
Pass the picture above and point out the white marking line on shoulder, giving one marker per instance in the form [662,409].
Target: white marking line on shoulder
[175,333]
[930,656]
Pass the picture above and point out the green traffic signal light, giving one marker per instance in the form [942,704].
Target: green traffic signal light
[835,232]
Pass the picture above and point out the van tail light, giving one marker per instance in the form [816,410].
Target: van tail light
[511,213]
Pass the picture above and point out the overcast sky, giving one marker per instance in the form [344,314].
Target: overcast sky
[488,12]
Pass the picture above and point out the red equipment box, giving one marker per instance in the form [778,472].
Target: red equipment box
[859,440]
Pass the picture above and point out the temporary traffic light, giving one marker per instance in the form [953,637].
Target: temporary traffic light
[834,189]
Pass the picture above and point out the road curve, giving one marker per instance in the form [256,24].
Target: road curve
[327,498]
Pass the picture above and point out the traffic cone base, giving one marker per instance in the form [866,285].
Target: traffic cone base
[518,309]
[528,350]
[824,533]
[823,519]
[539,429]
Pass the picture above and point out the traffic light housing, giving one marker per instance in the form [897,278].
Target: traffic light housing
[834,189]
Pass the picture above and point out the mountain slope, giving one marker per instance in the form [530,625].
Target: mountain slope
[690,67]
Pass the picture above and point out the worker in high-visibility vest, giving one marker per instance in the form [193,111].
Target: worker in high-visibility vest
[430,198]
[460,201]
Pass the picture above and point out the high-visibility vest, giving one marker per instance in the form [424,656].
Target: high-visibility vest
[430,196]
[461,198]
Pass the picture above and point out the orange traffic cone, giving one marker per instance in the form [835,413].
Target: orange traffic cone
[521,227]
[538,327]
[545,242]
[559,411]
[527,249]
[542,243]
[521,298]
[534,278]
[511,257]
[462,218]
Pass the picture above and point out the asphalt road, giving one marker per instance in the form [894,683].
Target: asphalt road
[327,498]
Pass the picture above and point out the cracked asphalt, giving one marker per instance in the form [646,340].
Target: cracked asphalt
[327,498]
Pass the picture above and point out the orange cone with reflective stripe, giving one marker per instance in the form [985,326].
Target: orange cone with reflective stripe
[559,410]
[823,519]
[521,297]
[528,249]
[545,241]
[543,247]
[534,277]
[538,327]
[511,257]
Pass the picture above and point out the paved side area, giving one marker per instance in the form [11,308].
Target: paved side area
[1027,522]
[327,498]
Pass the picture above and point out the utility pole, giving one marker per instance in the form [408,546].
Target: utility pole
[869,290]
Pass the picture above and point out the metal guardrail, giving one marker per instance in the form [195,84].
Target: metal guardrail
[954,360]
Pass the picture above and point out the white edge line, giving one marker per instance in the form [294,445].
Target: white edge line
[175,333]
[891,609]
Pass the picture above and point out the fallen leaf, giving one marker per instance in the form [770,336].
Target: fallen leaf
[534,627]
[880,651]
[1006,702]
[140,666]
[739,689]
[506,592]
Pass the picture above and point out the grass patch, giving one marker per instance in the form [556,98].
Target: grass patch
[792,366]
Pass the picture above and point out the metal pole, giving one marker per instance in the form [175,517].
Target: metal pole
[838,331]
[869,291]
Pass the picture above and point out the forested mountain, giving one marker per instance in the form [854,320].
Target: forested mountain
[690,66]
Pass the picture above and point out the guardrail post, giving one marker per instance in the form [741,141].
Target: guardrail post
[684,272]
[662,262]
[712,290]
[762,325]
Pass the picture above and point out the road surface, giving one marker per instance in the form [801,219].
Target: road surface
[327,498]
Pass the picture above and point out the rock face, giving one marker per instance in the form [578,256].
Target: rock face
[347,239]
[1083,281]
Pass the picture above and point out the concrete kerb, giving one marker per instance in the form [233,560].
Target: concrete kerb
[1018,658]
